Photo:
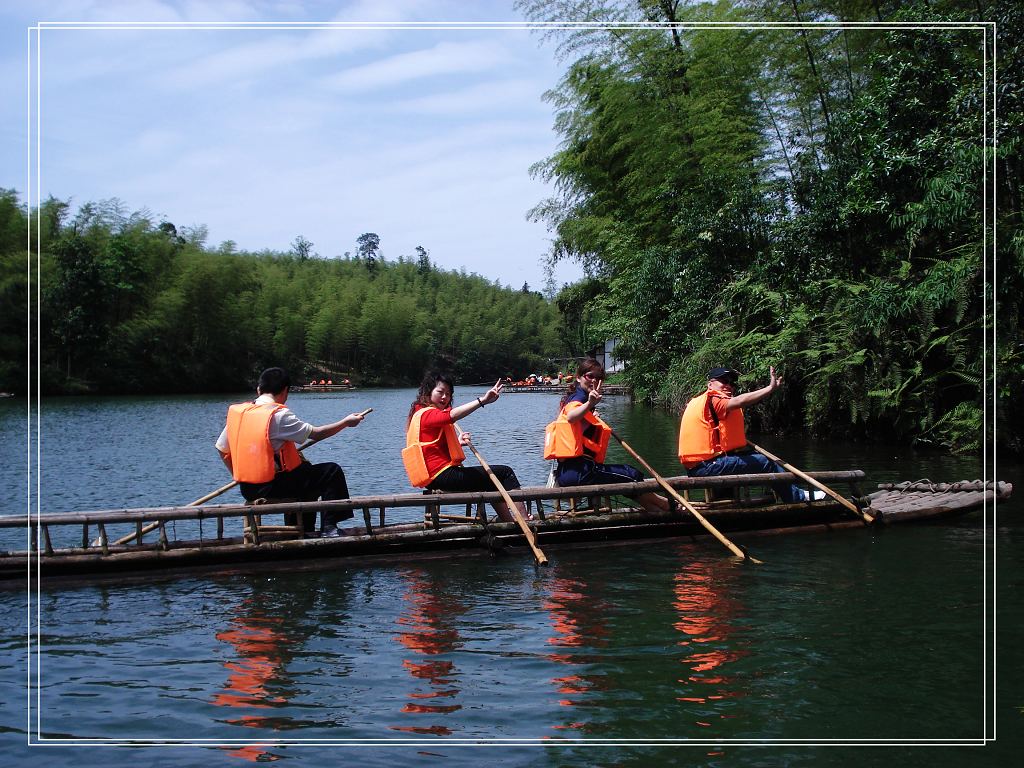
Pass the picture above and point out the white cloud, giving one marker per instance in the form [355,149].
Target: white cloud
[425,136]
[103,11]
[445,58]
[492,96]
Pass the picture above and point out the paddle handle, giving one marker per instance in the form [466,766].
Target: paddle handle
[531,539]
[690,508]
[213,494]
[820,486]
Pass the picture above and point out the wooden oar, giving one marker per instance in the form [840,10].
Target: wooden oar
[531,539]
[308,443]
[820,486]
[693,510]
[202,500]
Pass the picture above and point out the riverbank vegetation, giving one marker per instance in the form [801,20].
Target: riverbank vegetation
[822,198]
[134,305]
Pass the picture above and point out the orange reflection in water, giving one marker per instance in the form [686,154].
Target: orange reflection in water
[577,616]
[429,630]
[261,657]
[705,611]
[254,753]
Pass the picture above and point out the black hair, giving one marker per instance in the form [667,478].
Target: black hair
[273,381]
[430,381]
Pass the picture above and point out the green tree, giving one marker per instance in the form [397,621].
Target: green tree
[368,249]
[811,197]
[302,247]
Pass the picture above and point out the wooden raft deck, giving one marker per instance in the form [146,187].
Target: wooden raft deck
[586,515]
[908,500]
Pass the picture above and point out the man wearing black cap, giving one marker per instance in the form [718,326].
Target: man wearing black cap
[259,446]
[712,440]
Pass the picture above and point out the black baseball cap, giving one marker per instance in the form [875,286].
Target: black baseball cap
[723,374]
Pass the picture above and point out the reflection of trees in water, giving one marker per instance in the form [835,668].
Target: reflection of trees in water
[428,621]
[705,614]
[578,616]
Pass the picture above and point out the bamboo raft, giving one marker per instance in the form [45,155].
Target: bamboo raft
[587,515]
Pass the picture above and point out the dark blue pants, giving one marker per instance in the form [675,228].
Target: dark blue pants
[307,482]
[583,470]
[748,464]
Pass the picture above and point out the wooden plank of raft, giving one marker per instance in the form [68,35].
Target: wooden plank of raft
[408,500]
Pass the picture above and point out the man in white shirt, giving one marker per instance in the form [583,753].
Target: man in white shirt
[259,447]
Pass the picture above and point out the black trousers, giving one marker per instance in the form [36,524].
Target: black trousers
[465,479]
[307,482]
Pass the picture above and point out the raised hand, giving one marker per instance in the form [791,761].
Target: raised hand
[492,394]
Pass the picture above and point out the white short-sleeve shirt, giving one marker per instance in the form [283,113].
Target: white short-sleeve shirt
[285,426]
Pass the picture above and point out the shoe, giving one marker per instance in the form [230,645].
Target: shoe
[818,495]
[330,533]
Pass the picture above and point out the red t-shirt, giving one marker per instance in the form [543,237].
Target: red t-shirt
[718,403]
[432,425]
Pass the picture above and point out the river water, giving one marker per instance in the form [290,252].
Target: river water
[647,654]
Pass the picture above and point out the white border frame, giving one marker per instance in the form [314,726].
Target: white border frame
[33,405]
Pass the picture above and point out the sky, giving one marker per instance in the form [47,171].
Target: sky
[422,135]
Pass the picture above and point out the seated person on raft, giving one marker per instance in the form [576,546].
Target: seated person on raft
[433,454]
[578,439]
[712,440]
[259,447]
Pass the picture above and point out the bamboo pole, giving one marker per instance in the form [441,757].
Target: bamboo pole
[693,510]
[139,532]
[819,485]
[408,500]
[531,539]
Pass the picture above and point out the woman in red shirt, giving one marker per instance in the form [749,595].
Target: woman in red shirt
[431,436]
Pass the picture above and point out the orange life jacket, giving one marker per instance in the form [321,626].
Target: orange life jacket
[565,440]
[703,436]
[413,457]
[253,460]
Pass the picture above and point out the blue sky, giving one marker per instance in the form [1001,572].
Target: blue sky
[422,135]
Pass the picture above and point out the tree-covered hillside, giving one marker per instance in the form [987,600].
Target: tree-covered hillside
[132,305]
